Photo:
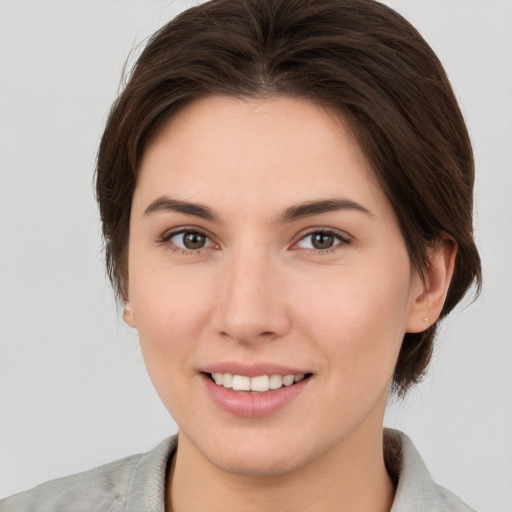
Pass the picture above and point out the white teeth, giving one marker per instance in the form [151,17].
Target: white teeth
[241,383]
[258,384]
[288,380]
[227,380]
[276,382]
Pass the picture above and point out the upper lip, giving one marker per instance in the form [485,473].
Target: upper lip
[252,369]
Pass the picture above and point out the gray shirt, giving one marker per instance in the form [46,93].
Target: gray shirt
[137,484]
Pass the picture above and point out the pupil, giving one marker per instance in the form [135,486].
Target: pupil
[193,240]
[322,241]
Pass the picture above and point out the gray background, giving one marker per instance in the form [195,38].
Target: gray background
[73,390]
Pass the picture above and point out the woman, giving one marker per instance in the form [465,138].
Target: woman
[285,189]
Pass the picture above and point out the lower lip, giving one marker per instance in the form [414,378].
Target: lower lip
[253,405]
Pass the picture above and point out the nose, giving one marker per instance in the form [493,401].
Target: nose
[252,300]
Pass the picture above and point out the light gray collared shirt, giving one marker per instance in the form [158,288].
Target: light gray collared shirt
[137,484]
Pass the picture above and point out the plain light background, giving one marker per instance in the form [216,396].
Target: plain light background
[74,393]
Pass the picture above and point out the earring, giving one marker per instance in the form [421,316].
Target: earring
[426,319]
[127,312]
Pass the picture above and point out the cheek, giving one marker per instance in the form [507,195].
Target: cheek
[358,319]
[171,309]
[171,313]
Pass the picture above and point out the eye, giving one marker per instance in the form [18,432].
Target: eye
[190,240]
[322,240]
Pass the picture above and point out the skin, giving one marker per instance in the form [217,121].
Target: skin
[260,291]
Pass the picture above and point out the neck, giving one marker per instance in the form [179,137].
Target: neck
[347,478]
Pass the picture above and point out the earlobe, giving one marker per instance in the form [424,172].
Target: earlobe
[429,300]
[128,315]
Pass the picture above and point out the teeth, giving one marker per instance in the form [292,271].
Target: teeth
[241,383]
[276,382]
[288,380]
[227,380]
[258,384]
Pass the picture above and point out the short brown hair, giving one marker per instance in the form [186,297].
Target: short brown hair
[360,59]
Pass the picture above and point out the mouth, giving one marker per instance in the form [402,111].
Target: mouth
[257,384]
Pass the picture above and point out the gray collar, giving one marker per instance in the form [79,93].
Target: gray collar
[416,491]
[146,486]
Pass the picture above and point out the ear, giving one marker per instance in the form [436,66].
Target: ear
[429,294]
[129,315]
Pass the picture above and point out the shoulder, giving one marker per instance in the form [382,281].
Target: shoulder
[416,490]
[105,487]
[122,485]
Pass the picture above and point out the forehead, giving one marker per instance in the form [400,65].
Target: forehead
[255,151]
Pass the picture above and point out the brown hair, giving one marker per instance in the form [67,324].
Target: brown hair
[357,57]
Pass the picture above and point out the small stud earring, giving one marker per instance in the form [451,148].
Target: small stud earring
[426,319]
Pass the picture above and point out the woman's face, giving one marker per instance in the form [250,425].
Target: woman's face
[261,247]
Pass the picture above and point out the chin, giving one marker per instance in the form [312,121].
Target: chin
[257,464]
[261,454]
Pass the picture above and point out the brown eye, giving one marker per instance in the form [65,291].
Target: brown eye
[193,240]
[322,240]
[190,240]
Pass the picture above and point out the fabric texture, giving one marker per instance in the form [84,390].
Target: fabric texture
[137,484]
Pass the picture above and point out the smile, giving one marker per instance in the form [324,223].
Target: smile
[257,384]
[258,394]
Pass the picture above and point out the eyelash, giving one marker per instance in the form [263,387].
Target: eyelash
[342,240]
[166,239]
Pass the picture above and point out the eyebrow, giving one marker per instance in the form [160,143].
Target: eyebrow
[291,214]
[165,203]
[318,207]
